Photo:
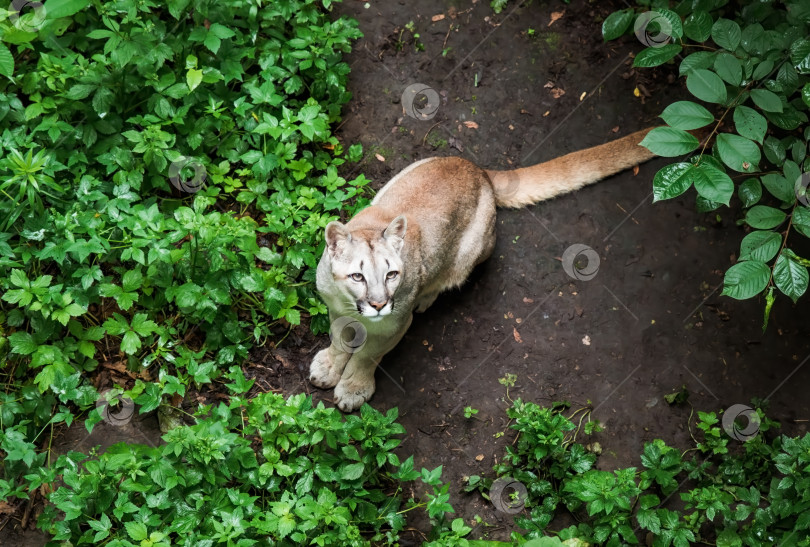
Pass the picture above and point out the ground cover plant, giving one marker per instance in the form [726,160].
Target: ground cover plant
[318,479]
[734,493]
[750,63]
[166,172]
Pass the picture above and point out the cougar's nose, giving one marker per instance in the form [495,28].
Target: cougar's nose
[377,305]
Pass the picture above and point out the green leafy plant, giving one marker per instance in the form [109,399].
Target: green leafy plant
[737,493]
[750,62]
[249,470]
[166,172]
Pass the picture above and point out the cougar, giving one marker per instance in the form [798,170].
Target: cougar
[423,233]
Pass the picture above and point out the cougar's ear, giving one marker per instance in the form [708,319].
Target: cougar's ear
[337,236]
[395,233]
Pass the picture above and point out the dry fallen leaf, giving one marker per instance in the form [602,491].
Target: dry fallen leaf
[547,113]
[586,340]
[582,97]
[615,129]
[556,92]
[556,15]
[6,509]
[379,157]
[471,125]
[437,17]
[635,170]
[516,334]
[479,457]
[527,300]
[549,85]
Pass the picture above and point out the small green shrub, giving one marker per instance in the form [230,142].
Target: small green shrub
[166,170]
[732,495]
[751,62]
[252,472]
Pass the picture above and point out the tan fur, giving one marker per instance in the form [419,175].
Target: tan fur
[423,233]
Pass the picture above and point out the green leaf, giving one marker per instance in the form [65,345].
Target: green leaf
[54,9]
[779,187]
[789,276]
[352,471]
[760,245]
[774,151]
[788,119]
[617,23]
[800,55]
[6,62]
[136,530]
[750,123]
[687,115]
[726,34]
[746,279]
[655,56]
[131,280]
[763,69]
[713,184]
[764,217]
[130,343]
[212,42]
[672,181]
[698,26]
[80,91]
[706,86]
[766,100]
[22,343]
[695,61]
[221,31]
[729,68]
[669,142]
[728,538]
[671,24]
[749,192]
[102,100]
[806,94]
[178,7]
[801,220]
[194,78]
[738,153]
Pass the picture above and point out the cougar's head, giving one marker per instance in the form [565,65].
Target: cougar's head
[366,265]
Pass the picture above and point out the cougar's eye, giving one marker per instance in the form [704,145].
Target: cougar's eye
[357,277]
[391,275]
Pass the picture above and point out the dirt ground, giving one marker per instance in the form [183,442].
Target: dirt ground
[650,321]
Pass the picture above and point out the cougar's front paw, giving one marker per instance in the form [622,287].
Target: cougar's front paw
[322,371]
[351,394]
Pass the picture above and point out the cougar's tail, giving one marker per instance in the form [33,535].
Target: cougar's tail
[571,172]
